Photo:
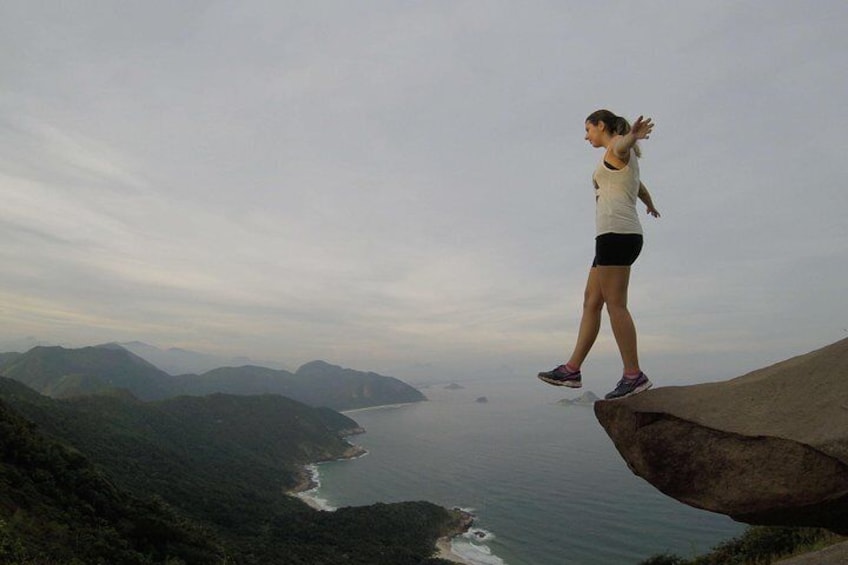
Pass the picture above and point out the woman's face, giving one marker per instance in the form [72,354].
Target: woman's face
[594,134]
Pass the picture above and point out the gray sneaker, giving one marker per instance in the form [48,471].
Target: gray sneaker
[629,387]
[561,376]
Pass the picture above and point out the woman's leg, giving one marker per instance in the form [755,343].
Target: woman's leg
[590,322]
[614,282]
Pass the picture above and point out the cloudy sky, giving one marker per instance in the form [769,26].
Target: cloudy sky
[403,186]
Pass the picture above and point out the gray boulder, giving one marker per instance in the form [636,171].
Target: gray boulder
[768,448]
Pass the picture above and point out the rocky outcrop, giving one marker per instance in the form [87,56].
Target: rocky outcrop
[769,447]
[588,398]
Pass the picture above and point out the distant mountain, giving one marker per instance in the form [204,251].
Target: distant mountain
[317,383]
[321,383]
[236,380]
[7,357]
[221,462]
[177,361]
[64,373]
[61,372]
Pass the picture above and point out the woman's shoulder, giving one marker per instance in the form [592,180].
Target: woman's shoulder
[614,159]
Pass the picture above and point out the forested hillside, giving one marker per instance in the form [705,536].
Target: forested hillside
[211,471]
[55,507]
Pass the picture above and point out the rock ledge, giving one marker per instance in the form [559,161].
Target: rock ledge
[769,447]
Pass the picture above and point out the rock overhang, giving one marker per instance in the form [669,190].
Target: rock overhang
[769,447]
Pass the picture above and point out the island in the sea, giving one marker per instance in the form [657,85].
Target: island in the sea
[588,398]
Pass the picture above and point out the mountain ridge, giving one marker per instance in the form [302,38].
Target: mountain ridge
[45,367]
[61,372]
[180,361]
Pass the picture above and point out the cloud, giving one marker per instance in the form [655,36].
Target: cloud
[389,185]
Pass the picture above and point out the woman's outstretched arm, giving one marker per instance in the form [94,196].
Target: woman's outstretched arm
[641,129]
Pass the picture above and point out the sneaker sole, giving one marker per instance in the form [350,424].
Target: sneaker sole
[636,390]
[569,384]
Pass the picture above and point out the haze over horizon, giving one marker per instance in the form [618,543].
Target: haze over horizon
[405,187]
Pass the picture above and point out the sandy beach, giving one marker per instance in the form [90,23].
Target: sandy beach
[305,491]
[444,545]
[306,488]
[310,501]
[379,407]
[446,552]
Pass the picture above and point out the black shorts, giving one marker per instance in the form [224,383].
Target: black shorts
[617,249]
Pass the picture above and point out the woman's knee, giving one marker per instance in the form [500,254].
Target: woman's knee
[617,309]
[593,301]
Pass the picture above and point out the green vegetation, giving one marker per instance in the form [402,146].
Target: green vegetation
[363,535]
[186,480]
[758,545]
[55,507]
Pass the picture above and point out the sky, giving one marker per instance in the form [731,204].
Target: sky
[404,186]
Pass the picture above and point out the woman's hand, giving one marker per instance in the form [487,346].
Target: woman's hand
[645,197]
[641,128]
[621,144]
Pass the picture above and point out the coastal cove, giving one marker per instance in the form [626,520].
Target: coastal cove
[543,481]
[308,488]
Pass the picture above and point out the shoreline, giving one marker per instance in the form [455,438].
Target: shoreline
[380,407]
[308,483]
[444,545]
[444,550]
[306,487]
[307,477]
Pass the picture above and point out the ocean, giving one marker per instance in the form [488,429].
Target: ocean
[543,480]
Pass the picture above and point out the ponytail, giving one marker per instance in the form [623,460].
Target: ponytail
[615,124]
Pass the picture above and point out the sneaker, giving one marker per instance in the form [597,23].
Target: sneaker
[561,376]
[629,387]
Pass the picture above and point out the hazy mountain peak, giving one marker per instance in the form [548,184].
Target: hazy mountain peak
[180,361]
[317,365]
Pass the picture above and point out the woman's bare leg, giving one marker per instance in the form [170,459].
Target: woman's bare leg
[614,282]
[590,322]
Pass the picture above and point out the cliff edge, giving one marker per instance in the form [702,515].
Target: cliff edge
[766,448]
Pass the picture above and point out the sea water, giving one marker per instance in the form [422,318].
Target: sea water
[543,480]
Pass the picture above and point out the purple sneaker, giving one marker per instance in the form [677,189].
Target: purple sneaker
[561,376]
[629,387]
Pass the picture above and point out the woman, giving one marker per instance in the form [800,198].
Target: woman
[617,245]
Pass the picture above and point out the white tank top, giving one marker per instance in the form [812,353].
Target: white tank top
[616,193]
